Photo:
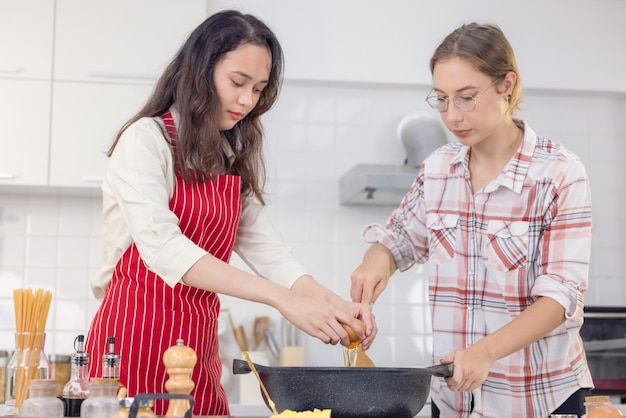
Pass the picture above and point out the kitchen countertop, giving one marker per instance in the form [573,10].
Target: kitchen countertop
[259,411]
[237,411]
[250,411]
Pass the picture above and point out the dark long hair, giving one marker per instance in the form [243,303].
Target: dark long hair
[487,49]
[188,83]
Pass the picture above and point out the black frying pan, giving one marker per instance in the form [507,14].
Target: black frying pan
[350,392]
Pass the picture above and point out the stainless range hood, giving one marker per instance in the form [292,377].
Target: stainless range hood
[376,184]
[385,184]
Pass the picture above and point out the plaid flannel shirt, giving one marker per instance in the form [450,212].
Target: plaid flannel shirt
[491,254]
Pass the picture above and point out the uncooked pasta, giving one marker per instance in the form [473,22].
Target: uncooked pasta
[31,314]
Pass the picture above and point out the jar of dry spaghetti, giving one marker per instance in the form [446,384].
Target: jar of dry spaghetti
[28,361]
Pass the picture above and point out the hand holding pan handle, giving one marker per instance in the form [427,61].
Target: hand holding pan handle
[441,370]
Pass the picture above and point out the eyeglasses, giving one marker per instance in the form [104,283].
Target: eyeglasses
[465,103]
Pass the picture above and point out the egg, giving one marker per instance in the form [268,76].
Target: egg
[604,411]
[354,339]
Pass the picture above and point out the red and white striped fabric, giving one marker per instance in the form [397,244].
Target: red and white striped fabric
[146,316]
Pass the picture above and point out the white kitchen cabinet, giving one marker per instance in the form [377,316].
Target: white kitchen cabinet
[26,39]
[367,41]
[120,40]
[107,57]
[71,73]
[25,122]
[85,120]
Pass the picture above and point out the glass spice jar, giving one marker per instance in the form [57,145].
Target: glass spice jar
[42,401]
[102,401]
[606,407]
[61,371]
[4,359]
[144,409]
[124,408]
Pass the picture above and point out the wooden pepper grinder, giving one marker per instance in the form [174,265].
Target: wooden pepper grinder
[179,361]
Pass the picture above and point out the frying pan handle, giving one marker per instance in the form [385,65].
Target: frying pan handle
[241,366]
[441,370]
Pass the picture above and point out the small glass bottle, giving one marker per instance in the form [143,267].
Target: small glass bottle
[124,408]
[102,401]
[606,405]
[111,362]
[76,390]
[28,361]
[42,401]
[144,408]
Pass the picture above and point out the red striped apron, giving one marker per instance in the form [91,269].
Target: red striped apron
[146,316]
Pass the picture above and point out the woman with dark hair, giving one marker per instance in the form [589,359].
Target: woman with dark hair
[184,188]
[503,218]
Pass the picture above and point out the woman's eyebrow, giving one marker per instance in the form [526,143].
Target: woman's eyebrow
[248,76]
[435,89]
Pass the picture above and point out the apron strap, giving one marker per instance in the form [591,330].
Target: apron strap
[168,120]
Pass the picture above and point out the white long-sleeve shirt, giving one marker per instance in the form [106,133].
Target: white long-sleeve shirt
[137,188]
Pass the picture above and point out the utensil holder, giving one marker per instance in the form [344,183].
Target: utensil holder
[292,355]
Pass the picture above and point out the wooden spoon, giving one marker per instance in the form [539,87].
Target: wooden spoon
[355,357]
[362,359]
[267,395]
[240,337]
[238,332]
[260,327]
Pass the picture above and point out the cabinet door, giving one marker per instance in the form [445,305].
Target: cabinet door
[85,120]
[119,39]
[24,137]
[26,34]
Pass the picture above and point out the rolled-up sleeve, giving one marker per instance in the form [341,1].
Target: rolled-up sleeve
[405,234]
[566,243]
[262,248]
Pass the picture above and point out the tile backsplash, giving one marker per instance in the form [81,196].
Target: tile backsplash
[317,132]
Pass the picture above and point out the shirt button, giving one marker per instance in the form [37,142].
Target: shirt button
[470,308]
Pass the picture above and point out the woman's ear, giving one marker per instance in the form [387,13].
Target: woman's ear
[510,79]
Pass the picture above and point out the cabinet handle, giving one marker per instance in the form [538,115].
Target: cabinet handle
[7,176]
[93,179]
[114,74]
[11,70]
